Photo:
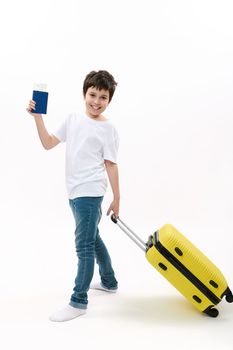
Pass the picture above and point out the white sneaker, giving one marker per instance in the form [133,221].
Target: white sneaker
[99,286]
[67,313]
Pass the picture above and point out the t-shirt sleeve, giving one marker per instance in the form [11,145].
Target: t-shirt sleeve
[111,146]
[60,131]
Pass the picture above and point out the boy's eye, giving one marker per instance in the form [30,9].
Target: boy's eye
[92,95]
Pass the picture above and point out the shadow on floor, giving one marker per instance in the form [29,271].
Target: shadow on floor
[159,309]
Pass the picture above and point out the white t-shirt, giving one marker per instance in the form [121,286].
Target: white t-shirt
[88,143]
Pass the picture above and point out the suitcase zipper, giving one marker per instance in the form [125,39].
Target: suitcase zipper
[186,272]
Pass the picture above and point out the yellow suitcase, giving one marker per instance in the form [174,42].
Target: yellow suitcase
[184,266]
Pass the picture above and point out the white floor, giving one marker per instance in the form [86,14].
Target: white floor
[146,312]
[132,318]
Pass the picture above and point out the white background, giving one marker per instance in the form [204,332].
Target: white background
[173,110]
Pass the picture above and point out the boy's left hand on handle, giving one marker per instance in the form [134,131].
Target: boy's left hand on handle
[114,206]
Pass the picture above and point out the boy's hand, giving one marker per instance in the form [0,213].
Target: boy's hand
[114,206]
[31,108]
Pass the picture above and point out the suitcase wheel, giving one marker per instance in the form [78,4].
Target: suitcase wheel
[229,298]
[228,294]
[211,311]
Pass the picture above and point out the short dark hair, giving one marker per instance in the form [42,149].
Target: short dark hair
[100,80]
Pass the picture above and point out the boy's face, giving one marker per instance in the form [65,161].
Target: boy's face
[96,101]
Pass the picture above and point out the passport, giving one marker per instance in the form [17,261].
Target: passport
[41,99]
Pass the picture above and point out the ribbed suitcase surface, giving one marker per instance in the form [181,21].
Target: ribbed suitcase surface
[186,268]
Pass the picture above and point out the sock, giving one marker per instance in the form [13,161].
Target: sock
[99,286]
[67,313]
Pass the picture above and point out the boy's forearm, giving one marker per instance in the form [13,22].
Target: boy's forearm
[44,136]
[113,175]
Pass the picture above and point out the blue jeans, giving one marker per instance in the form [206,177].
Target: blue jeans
[87,213]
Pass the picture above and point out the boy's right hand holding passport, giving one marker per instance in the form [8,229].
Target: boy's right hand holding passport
[31,108]
[48,141]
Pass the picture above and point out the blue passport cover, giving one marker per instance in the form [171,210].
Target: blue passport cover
[41,99]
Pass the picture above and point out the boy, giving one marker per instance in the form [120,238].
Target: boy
[91,148]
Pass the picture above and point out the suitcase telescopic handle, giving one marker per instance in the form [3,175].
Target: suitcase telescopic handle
[132,235]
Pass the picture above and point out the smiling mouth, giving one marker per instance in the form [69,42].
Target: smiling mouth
[95,108]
